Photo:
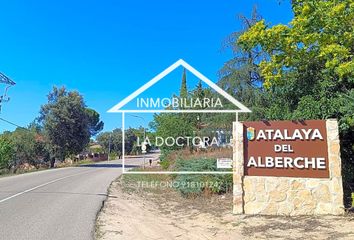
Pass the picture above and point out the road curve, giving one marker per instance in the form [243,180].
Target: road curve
[54,204]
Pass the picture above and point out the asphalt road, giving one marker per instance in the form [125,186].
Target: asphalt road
[57,203]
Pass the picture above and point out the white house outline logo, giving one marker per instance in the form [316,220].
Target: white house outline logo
[181,62]
[118,109]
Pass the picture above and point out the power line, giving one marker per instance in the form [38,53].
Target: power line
[6,80]
[14,124]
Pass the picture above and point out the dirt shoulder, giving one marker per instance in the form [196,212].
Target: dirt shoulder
[133,211]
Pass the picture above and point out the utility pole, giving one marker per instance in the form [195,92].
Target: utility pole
[4,79]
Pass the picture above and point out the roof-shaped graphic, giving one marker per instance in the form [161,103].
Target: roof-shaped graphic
[118,107]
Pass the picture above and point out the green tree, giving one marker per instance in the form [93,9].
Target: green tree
[130,140]
[172,125]
[67,123]
[6,152]
[183,93]
[111,141]
[309,73]
[94,123]
[321,35]
[167,125]
[240,77]
[199,91]
[29,147]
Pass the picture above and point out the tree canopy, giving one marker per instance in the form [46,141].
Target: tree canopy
[319,38]
[6,152]
[308,68]
[67,123]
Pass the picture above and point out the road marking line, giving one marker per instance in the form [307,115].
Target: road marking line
[42,185]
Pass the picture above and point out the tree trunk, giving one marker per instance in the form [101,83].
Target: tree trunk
[52,162]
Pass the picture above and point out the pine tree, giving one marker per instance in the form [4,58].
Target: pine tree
[199,92]
[183,93]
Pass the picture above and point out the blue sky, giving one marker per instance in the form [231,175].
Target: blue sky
[107,49]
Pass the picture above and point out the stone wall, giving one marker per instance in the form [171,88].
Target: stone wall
[286,195]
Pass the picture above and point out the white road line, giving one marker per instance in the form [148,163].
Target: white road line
[42,185]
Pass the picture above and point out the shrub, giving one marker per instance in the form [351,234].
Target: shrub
[113,156]
[6,152]
[164,159]
[168,158]
[196,184]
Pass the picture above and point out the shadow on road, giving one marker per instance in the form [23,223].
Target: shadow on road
[107,165]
